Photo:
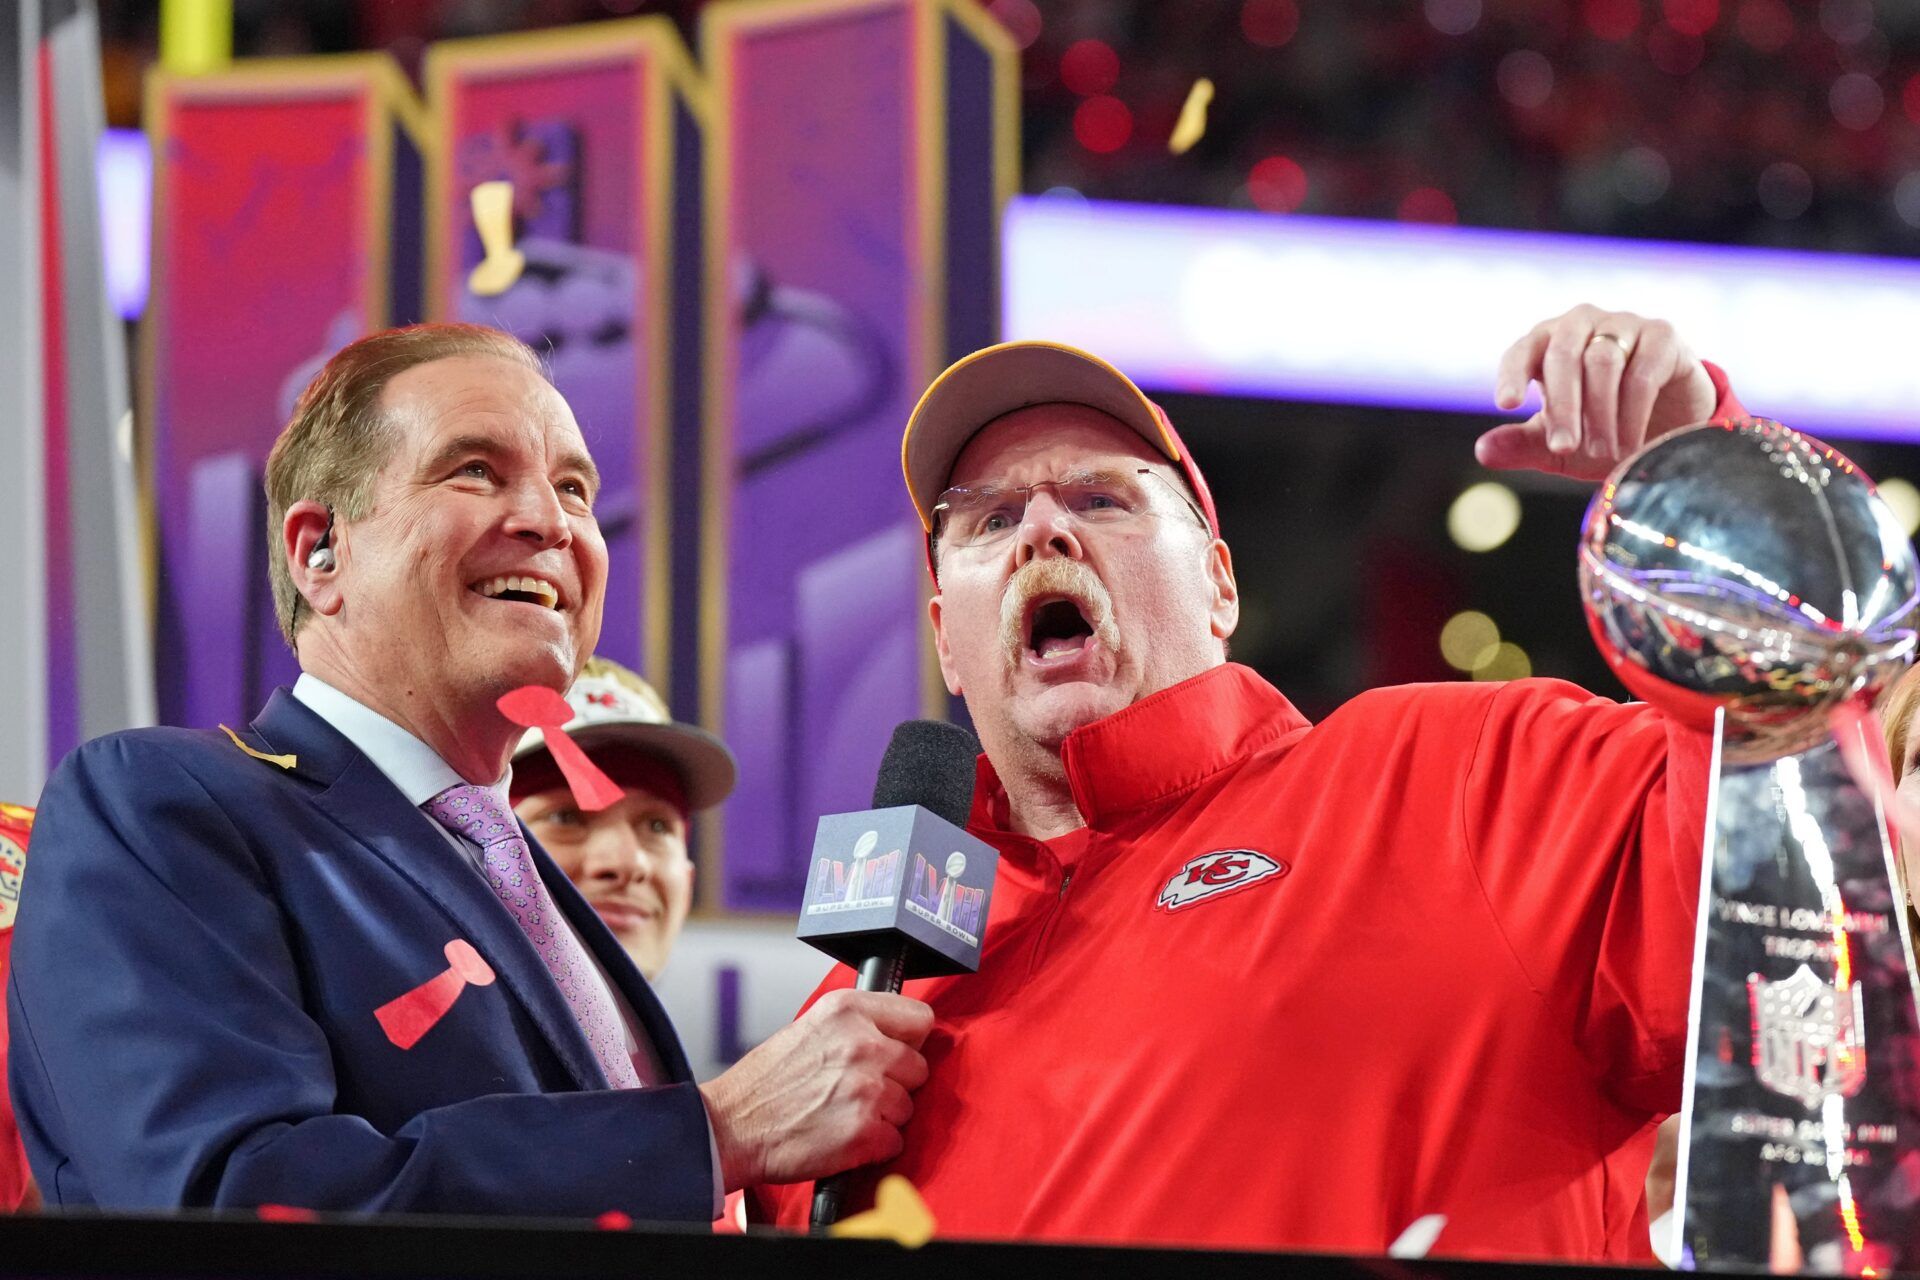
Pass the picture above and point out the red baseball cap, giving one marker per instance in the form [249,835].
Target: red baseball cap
[997,380]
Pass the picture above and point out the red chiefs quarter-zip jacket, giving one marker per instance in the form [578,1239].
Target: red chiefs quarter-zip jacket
[1297,986]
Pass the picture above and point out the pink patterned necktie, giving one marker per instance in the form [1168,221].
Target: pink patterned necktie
[480,816]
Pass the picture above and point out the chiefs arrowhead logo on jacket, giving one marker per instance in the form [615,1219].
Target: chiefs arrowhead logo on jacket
[1212,875]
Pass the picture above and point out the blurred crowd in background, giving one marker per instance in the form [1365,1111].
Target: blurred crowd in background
[1790,123]
[1787,123]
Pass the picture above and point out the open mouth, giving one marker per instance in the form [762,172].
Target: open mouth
[1056,627]
[519,588]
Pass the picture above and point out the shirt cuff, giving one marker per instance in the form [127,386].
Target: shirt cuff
[713,1158]
[1726,405]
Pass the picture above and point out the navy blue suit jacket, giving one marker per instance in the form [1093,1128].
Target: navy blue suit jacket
[203,940]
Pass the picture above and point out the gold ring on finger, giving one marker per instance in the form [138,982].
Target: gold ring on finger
[1618,341]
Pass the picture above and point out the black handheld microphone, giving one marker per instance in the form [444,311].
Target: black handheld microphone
[901,890]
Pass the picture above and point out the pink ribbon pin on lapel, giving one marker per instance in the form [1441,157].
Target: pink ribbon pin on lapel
[406,1018]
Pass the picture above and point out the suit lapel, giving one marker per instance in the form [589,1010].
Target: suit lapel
[614,962]
[363,802]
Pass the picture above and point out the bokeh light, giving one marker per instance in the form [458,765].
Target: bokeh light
[1269,23]
[1525,78]
[1675,52]
[1641,175]
[1766,25]
[1691,17]
[1508,662]
[1103,125]
[1453,17]
[1277,184]
[1021,18]
[1856,101]
[1785,190]
[1468,640]
[1484,516]
[1904,499]
[1613,20]
[1906,199]
[1427,204]
[1847,21]
[1089,67]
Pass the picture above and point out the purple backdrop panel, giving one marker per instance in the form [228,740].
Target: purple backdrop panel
[222,507]
[858,618]
[763,827]
[826,334]
[570,121]
[269,210]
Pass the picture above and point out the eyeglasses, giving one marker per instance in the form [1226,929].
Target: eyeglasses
[985,515]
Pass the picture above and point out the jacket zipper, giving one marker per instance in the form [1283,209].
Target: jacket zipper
[1046,927]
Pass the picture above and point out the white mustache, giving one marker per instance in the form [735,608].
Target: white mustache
[1054,576]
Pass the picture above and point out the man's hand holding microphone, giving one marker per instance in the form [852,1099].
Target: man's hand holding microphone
[896,891]
[828,1092]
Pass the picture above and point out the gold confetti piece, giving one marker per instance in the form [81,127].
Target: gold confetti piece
[493,219]
[1193,118]
[898,1214]
[285,762]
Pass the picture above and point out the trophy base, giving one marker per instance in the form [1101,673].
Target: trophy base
[1800,1142]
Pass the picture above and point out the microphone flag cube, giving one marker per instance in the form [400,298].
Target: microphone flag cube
[899,874]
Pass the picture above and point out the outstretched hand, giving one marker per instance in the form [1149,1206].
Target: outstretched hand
[1609,382]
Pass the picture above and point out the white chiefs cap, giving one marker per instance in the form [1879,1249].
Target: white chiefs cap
[613,706]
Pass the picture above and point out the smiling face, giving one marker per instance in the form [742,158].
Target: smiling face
[480,567]
[629,860]
[1068,621]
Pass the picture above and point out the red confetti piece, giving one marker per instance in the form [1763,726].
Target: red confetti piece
[285,1213]
[538,707]
[614,1220]
[406,1018]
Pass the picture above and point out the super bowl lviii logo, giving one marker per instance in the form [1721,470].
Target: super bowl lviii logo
[943,900]
[856,882]
[1809,1039]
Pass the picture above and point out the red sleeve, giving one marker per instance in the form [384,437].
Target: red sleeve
[791,1204]
[1726,405]
[15,1182]
[1585,819]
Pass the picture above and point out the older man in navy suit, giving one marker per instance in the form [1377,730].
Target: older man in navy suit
[317,962]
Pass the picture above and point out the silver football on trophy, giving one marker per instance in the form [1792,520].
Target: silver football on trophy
[1749,567]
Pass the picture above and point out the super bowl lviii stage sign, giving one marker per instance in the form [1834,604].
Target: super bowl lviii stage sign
[1748,580]
[741,272]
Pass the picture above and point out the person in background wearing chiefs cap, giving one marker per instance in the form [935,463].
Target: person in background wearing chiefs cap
[1253,982]
[630,859]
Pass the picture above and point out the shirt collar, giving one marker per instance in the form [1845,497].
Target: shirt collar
[1161,746]
[408,763]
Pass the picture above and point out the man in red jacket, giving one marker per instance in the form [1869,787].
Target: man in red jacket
[17,1191]
[1255,982]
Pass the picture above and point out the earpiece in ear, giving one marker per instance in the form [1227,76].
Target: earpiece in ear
[321,557]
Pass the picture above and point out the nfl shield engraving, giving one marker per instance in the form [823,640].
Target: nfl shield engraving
[1748,580]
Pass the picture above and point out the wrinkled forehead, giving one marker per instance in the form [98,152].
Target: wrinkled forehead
[478,396]
[1047,440]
